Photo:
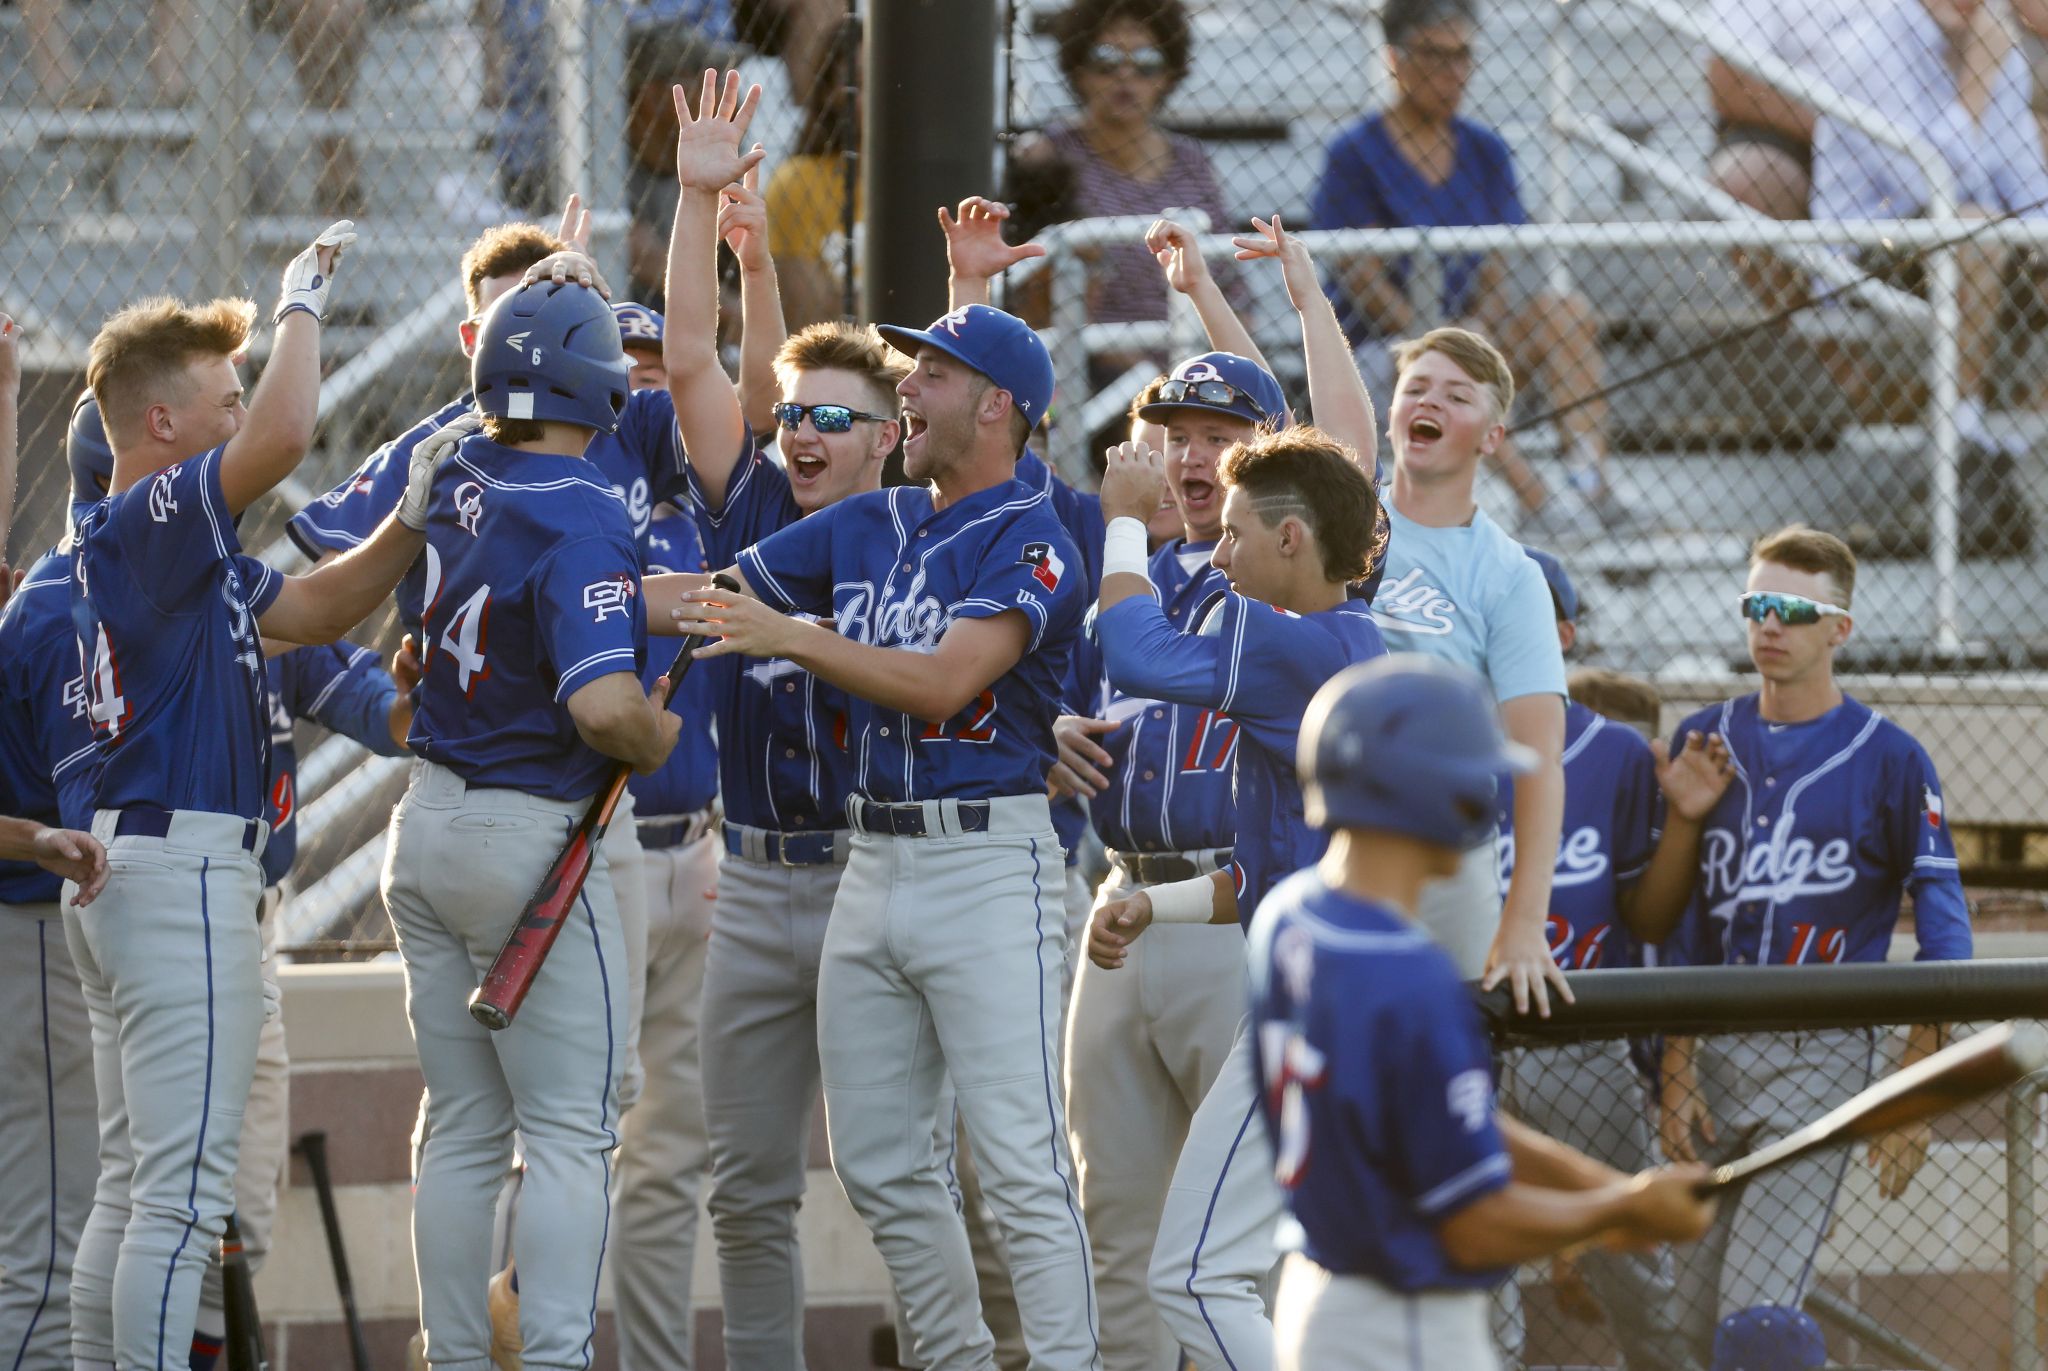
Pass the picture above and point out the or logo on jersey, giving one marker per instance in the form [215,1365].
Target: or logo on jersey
[952,321]
[1046,566]
[1469,1098]
[161,505]
[469,506]
[363,483]
[912,620]
[75,697]
[613,595]
[1931,803]
[1784,867]
[1412,605]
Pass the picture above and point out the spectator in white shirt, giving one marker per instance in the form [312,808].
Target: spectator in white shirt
[1763,136]
[1948,73]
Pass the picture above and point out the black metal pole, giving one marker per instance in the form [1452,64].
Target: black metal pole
[928,139]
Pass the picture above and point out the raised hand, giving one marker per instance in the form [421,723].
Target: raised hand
[1174,247]
[1297,268]
[743,221]
[1133,482]
[708,156]
[1694,779]
[574,228]
[308,275]
[975,249]
[10,359]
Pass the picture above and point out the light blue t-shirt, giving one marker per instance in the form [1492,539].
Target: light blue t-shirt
[1470,595]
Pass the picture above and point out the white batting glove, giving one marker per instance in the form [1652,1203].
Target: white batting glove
[305,284]
[427,457]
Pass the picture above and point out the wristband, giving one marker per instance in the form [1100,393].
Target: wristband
[1192,901]
[1126,548]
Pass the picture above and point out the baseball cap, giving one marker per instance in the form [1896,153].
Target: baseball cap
[1254,395]
[1561,591]
[639,326]
[1000,346]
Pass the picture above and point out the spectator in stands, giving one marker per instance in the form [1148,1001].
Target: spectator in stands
[325,39]
[658,59]
[1763,137]
[809,193]
[1417,164]
[1121,59]
[1950,75]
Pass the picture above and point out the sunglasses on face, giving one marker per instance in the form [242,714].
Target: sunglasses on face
[824,418]
[1208,393]
[1792,610]
[1108,57]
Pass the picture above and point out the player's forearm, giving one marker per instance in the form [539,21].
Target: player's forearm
[662,592]
[1523,1222]
[10,454]
[966,290]
[283,411]
[615,718]
[1337,398]
[18,839]
[398,722]
[1146,657]
[1539,1159]
[1652,908]
[1226,332]
[326,602]
[1539,803]
[913,682]
[762,332]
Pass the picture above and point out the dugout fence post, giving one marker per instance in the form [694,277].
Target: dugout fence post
[221,52]
[928,138]
[2023,1214]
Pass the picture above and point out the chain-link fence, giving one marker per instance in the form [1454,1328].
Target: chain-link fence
[1920,1252]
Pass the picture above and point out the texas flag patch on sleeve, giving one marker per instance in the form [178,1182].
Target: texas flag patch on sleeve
[1046,566]
[1932,806]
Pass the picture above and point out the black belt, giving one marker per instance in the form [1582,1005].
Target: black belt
[908,821]
[790,849]
[139,821]
[659,832]
[1157,868]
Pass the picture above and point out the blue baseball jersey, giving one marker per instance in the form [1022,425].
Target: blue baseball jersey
[688,780]
[643,461]
[47,755]
[1080,512]
[1824,826]
[782,756]
[532,593]
[1376,1085]
[1610,804]
[1170,775]
[164,606]
[1260,666]
[894,572]
[343,688]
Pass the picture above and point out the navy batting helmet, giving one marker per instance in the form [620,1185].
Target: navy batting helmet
[1409,744]
[550,351]
[87,451]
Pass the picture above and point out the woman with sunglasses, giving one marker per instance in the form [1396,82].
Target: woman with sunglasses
[1796,819]
[1121,59]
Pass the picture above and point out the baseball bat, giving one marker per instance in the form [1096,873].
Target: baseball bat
[1959,1073]
[494,1003]
[313,1147]
[244,1351]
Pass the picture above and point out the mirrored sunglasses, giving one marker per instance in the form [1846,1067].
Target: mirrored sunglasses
[1178,392]
[824,418]
[1108,57]
[1792,610]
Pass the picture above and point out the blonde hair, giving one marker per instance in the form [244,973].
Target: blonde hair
[144,350]
[834,346]
[1812,551]
[1476,357]
[502,250]
[1624,699]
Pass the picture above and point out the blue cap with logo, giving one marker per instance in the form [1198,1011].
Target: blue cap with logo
[1221,383]
[639,326]
[1000,346]
[1561,591]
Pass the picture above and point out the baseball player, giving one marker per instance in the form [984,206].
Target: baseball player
[1458,587]
[167,613]
[1796,820]
[954,602]
[532,642]
[1590,1095]
[1298,528]
[48,1135]
[1408,1196]
[345,689]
